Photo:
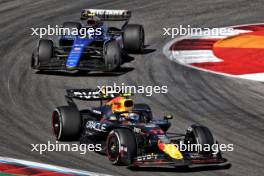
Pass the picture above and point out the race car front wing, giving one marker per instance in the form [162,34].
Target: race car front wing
[163,160]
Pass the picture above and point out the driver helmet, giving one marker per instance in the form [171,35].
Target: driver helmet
[124,115]
[94,21]
[133,116]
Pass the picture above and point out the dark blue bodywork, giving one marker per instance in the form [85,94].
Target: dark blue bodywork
[81,43]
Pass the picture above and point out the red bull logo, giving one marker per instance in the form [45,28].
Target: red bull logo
[171,150]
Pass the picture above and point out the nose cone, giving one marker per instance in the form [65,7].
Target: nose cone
[171,150]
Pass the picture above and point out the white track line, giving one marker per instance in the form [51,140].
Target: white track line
[174,56]
[48,167]
[255,76]
[194,56]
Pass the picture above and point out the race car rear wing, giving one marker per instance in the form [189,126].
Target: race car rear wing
[106,15]
[93,94]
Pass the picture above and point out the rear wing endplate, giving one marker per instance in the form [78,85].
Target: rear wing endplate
[106,15]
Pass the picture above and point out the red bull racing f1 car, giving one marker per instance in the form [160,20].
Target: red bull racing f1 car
[128,133]
[99,49]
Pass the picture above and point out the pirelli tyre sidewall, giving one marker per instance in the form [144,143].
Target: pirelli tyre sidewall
[121,147]
[134,38]
[203,136]
[66,123]
[112,55]
[34,60]
[44,52]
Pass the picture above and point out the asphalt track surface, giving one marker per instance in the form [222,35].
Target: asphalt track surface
[232,108]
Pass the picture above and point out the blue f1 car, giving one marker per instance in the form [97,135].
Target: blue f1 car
[101,50]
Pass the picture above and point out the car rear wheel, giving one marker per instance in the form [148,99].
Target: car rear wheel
[112,56]
[66,123]
[121,147]
[134,38]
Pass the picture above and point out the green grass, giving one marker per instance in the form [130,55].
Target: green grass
[7,174]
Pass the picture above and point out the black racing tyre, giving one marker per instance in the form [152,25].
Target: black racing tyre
[112,56]
[121,141]
[66,123]
[45,51]
[134,38]
[203,136]
[34,60]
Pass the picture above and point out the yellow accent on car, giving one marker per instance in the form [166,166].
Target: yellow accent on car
[171,150]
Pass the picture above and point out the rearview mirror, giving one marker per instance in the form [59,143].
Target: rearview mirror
[168,117]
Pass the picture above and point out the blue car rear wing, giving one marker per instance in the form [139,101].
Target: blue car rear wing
[106,15]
